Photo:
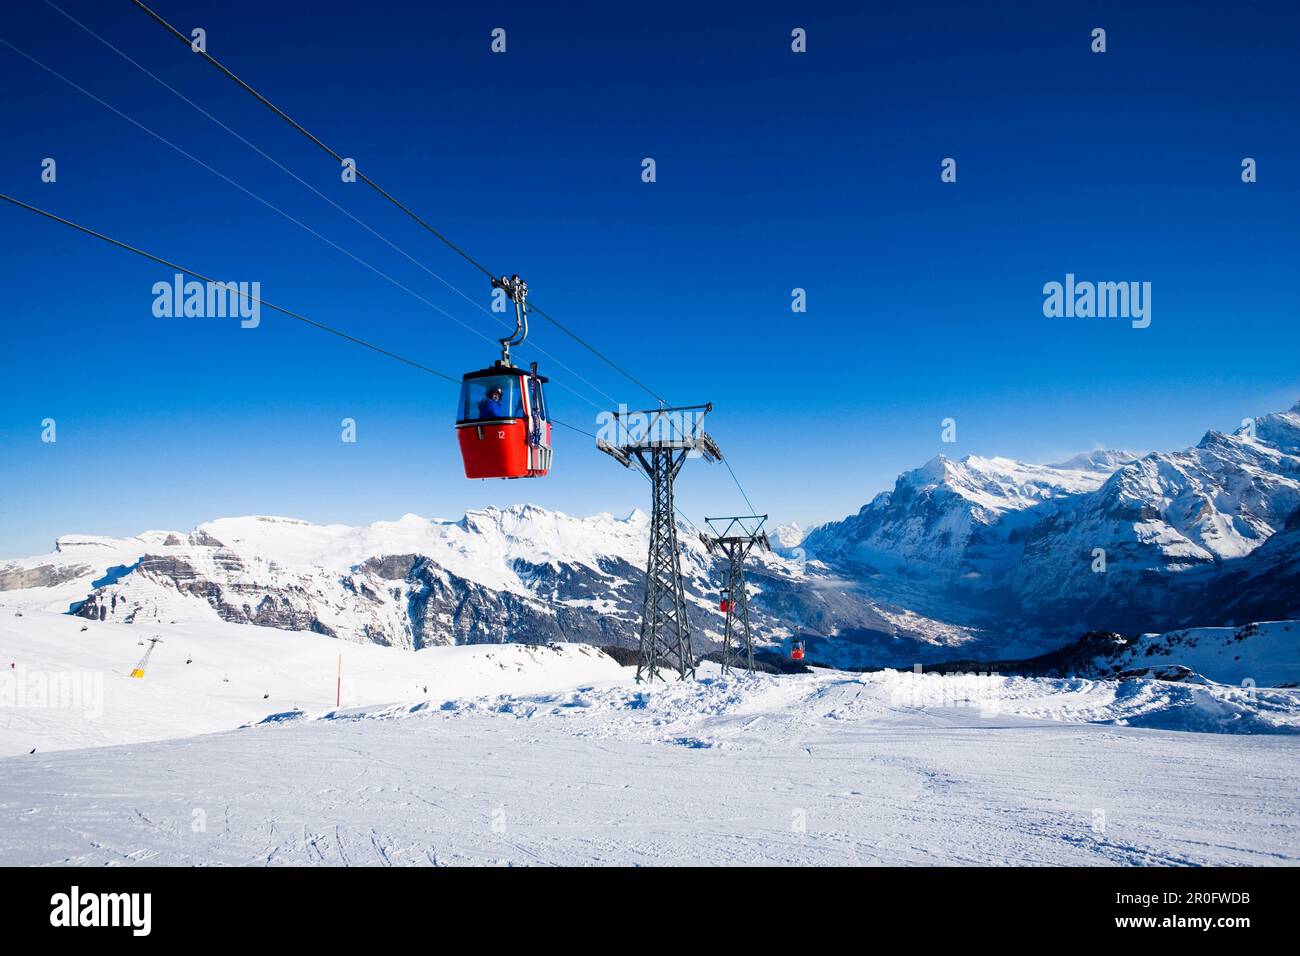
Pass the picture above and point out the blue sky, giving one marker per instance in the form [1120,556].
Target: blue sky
[774,171]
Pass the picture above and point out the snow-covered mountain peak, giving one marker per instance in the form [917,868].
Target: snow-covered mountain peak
[1215,437]
[254,521]
[786,536]
[1107,460]
[73,543]
[1281,430]
[997,533]
[931,473]
[995,484]
[996,465]
[950,514]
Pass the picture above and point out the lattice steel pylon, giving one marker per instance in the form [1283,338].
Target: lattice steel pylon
[658,442]
[735,537]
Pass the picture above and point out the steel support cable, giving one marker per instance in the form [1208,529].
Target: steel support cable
[230,74]
[739,487]
[581,431]
[222,68]
[226,71]
[252,298]
[177,267]
[306,228]
[235,289]
[253,146]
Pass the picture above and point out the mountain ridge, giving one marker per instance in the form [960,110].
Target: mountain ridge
[1122,546]
[521,573]
[980,554]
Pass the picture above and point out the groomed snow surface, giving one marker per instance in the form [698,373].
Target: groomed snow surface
[504,754]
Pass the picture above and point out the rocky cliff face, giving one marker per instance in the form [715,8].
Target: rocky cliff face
[41,576]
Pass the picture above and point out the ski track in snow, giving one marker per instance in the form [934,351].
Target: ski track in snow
[821,769]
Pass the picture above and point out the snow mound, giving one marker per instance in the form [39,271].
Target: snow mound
[711,710]
[1266,654]
[1194,704]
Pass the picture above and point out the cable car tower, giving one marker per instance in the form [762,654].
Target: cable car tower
[735,537]
[658,442]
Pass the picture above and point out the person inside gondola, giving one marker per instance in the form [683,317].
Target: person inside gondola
[491,406]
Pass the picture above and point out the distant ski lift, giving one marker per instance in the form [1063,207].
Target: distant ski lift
[138,672]
[796,650]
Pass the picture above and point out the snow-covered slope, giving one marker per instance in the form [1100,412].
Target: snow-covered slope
[64,681]
[1264,584]
[817,769]
[1266,654]
[1255,655]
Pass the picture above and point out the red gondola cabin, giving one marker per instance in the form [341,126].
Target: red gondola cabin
[796,651]
[502,423]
